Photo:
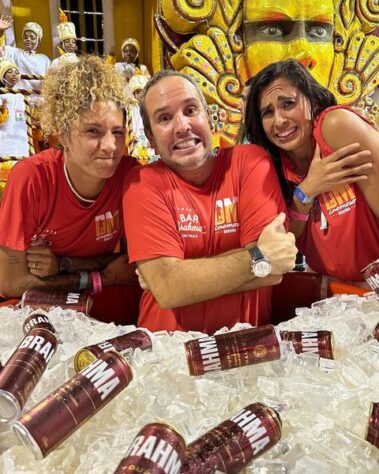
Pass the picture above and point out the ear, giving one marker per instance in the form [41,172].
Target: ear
[211,124]
[150,137]
[63,140]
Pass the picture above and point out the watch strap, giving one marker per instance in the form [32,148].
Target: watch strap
[255,254]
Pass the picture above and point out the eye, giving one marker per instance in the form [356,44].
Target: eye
[288,103]
[318,32]
[164,118]
[92,131]
[273,31]
[191,110]
[266,113]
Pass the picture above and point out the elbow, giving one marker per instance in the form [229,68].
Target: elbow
[165,301]
[7,290]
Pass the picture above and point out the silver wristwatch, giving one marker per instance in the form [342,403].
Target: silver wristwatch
[260,264]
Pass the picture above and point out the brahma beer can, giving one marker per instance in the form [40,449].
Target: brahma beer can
[232,445]
[37,321]
[23,370]
[38,299]
[57,416]
[233,349]
[373,425]
[132,340]
[371,275]
[320,343]
[157,449]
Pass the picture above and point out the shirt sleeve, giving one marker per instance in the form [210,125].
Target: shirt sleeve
[19,207]
[261,198]
[150,223]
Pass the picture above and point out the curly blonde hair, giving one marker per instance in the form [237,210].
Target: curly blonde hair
[73,88]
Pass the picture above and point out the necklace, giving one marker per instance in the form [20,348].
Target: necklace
[74,192]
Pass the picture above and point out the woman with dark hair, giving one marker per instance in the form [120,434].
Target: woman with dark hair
[327,159]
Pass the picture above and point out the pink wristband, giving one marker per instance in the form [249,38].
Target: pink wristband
[96,282]
[298,216]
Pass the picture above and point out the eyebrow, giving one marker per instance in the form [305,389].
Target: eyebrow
[269,15]
[165,108]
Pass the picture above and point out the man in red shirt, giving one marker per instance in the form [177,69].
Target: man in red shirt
[191,217]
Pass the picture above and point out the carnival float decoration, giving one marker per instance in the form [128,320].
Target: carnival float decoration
[223,43]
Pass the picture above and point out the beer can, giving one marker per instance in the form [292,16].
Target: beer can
[232,445]
[52,420]
[157,449]
[23,370]
[373,425]
[121,344]
[233,349]
[38,299]
[37,320]
[320,343]
[371,275]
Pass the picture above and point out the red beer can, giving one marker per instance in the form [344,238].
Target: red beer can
[371,275]
[37,321]
[233,349]
[320,343]
[23,370]
[132,340]
[38,299]
[232,445]
[57,416]
[157,449]
[373,425]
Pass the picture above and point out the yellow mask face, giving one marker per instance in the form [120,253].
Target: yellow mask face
[275,30]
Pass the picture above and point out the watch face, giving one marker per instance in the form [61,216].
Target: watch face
[262,268]
[64,265]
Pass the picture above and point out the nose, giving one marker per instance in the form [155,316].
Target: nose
[108,144]
[280,118]
[182,124]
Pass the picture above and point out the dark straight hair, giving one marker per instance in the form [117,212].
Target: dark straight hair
[318,96]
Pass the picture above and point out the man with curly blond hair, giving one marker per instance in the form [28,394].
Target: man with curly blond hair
[61,215]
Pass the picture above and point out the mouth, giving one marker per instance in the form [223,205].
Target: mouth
[287,134]
[186,144]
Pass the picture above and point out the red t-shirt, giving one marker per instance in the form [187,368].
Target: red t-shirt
[167,216]
[38,202]
[351,239]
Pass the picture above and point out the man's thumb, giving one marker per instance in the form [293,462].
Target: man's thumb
[278,222]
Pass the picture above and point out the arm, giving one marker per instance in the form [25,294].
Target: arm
[15,277]
[43,263]
[175,282]
[356,130]
[349,164]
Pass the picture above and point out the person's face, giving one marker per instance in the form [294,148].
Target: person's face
[95,146]
[276,30]
[129,53]
[30,40]
[137,94]
[69,45]
[12,76]
[180,127]
[286,117]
